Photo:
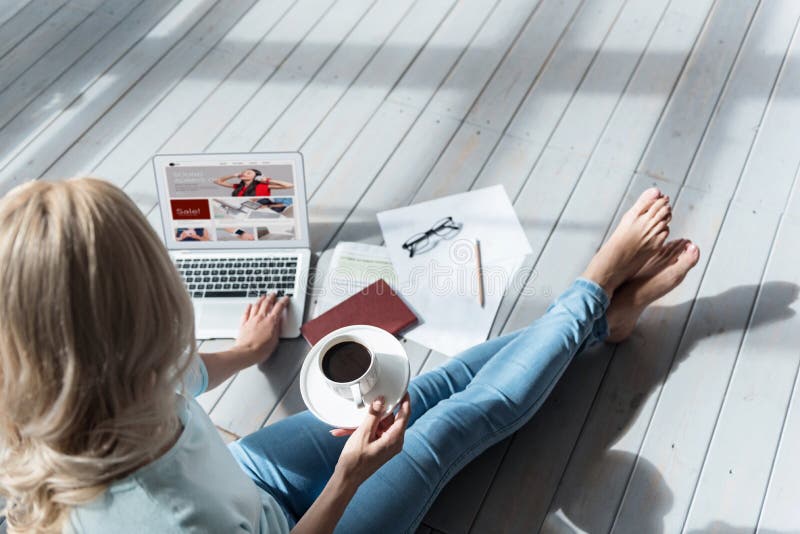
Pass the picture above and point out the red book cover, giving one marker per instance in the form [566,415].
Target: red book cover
[375,305]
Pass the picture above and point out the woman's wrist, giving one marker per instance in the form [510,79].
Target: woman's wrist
[243,355]
[328,508]
[224,364]
[345,480]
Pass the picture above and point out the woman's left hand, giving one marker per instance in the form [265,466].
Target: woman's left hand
[372,444]
[383,425]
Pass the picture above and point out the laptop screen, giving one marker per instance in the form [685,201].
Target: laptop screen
[217,202]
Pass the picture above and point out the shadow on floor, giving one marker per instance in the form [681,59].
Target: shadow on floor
[728,307]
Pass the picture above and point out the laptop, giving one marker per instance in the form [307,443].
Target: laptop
[236,226]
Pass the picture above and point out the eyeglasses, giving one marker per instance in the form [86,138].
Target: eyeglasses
[418,243]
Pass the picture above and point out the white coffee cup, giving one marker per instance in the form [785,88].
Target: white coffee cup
[349,387]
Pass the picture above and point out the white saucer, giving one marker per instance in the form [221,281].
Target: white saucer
[394,373]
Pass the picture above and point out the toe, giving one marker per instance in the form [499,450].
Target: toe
[663,213]
[656,208]
[689,256]
[670,250]
[662,235]
[646,199]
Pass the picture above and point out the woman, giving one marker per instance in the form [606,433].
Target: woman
[251,184]
[96,336]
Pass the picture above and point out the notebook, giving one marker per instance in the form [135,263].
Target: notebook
[375,305]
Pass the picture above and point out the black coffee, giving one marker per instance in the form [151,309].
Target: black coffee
[346,361]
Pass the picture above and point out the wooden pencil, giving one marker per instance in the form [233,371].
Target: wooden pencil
[479,271]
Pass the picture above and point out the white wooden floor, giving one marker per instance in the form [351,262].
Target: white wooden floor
[575,106]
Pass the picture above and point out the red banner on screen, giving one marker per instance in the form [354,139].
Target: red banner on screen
[190,209]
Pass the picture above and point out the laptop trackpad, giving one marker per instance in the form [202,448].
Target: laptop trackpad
[218,319]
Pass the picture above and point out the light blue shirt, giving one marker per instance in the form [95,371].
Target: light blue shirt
[196,486]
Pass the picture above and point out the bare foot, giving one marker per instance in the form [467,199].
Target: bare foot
[642,230]
[662,273]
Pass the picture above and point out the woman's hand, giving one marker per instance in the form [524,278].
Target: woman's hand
[189,234]
[258,337]
[366,450]
[373,443]
[260,328]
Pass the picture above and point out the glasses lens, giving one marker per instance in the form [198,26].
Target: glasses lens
[445,227]
[442,224]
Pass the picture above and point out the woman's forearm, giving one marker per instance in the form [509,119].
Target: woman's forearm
[327,510]
[279,184]
[222,365]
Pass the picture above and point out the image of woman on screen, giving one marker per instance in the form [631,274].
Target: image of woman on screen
[251,184]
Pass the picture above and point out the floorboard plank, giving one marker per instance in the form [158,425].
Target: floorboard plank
[221,105]
[36,144]
[112,127]
[734,477]
[9,8]
[345,69]
[422,70]
[201,129]
[42,73]
[464,152]
[290,69]
[257,70]
[44,38]
[174,111]
[773,154]
[397,125]
[25,21]
[694,99]
[138,142]
[793,207]
[727,143]
[779,512]
[242,133]
[33,117]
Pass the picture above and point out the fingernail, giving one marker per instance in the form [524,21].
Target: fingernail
[378,402]
[331,432]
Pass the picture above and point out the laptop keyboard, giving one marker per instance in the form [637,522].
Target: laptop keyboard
[238,277]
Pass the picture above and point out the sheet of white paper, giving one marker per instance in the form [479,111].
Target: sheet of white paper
[440,283]
[353,267]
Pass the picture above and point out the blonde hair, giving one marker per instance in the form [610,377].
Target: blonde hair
[95,331]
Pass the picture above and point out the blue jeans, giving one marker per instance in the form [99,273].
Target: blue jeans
[459,410]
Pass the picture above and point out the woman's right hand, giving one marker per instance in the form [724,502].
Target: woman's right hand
[375,442]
